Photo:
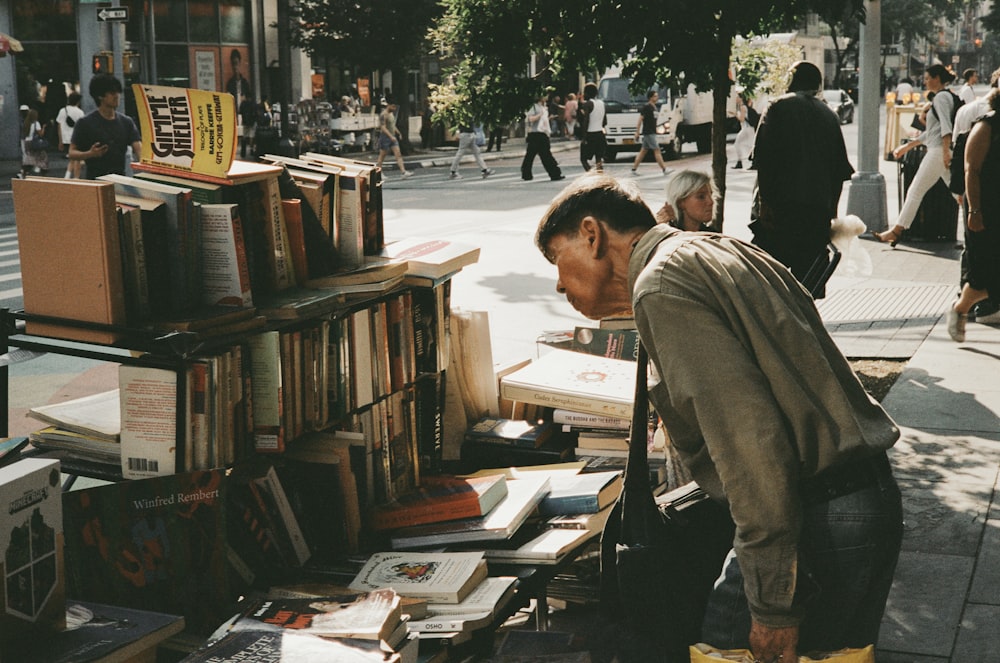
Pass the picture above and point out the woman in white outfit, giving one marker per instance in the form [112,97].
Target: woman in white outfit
[936,162]
[748,118]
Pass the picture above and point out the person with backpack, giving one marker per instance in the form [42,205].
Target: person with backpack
[936,164]
[67,118]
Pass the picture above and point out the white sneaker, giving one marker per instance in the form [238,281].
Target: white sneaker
[956,325]
[407,174]
[455,176]
[487,173]
[634,172]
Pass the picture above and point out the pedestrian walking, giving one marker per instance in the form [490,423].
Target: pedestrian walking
[646,126]
[982,172]
[537,142]
[936,164]
[468,141]
[592,117]
[801,163]
[387,138]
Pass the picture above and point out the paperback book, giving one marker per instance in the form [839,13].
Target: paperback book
[437,577]
[441,498]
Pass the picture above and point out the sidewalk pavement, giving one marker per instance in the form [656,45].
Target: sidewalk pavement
[945,601]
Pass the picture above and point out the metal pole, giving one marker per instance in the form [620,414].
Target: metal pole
[866,197]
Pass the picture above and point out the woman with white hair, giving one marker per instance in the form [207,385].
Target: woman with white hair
[691,200]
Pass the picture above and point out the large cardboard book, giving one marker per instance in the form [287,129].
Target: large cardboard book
[98,632]
[183,236]
[431,258]
[70,270]
[523,496]
[441,498]
[225,269]
[148,398]
[581,493]
[96,414]
[575,381]
[33,593]
[152,544]
[437,577]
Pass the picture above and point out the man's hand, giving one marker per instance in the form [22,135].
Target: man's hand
[98,150]
[774,645]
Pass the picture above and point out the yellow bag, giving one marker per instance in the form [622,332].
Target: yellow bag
[702,653]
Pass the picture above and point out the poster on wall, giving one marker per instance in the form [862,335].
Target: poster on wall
[236,70]
[186,130]
[206,69]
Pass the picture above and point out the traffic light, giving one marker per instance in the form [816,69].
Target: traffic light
[103,63]
[130,62]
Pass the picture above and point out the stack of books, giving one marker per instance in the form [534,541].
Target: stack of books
[88,427]
[355,627]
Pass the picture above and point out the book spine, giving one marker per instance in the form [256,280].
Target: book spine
[282,272]
[564,401]
[433,510]
[582,419]
[289,521]
[296,239]
[350,222]
[569,504]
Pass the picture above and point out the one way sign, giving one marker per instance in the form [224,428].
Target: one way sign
[112,14]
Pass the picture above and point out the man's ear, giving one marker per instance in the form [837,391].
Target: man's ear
[595,234]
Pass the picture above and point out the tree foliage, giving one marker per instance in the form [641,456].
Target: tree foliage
[676,43]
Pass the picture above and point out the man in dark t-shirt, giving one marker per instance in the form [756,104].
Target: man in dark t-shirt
[101,137]
[647,125]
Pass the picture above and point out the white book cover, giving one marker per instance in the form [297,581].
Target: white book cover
[149,421]
[431,258]
[438,577]
[96,414]
[575,381]
[225,273]
[491,594]
[549,547]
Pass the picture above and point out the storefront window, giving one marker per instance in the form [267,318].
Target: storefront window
[172,63]
[204,21]
[48,20]
[235,26]
[170,20]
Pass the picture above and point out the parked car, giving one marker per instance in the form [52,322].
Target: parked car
[840,103]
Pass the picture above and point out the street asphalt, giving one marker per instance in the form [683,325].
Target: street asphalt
[881,303]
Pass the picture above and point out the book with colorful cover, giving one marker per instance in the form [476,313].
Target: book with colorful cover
[33,591]
[616,343]
[441,498]
[437,577]
[152,544]
[575,381]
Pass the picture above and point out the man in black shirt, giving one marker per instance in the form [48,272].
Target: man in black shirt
[101,137]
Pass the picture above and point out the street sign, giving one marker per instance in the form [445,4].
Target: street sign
[112,14]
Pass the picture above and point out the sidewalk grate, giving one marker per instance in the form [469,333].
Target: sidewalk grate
[870,304]
[883,323]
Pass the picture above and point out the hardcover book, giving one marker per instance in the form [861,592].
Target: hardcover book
[575,381]
[441,498]
[368,616]
[523,495]
[152,544]
[70,270]
[581,493]
[437,577]
[33,593]
[97,632]
[431,258]
[515,432]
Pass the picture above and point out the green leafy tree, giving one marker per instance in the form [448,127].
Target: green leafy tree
[676,43]
[375,35]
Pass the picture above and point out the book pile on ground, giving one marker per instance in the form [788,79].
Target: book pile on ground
[87,427]
[500,523]
[355,627]
[434,576]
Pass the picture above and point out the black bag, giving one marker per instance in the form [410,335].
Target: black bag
[659,557]
[38,144]
[957,167]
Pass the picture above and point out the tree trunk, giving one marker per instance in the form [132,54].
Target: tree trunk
[720,100]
